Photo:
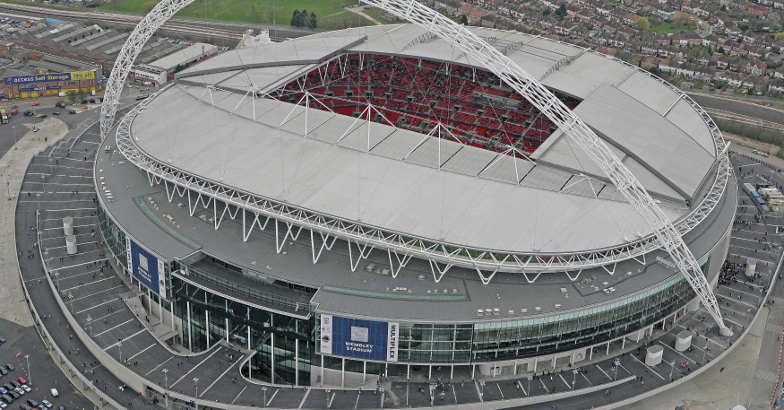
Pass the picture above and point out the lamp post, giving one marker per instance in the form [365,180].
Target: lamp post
[326,406]
[264,390]
[166,383]
[195,392]
[29,377]
[672,368]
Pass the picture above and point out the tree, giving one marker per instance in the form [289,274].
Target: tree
[643,24]
[464,19]
[299,18]
[546,12]
[312,23]
[721,50]
[149,5]
[779,36]
[561,11]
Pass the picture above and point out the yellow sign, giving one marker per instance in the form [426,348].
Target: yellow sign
[82,75]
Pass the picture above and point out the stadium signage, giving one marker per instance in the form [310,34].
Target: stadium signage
[43,78]
[363,339]
[146,268]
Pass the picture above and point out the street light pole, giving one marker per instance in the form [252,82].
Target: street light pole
[29,377]
[166,393]
[196,392]
[672,368]
[264,390]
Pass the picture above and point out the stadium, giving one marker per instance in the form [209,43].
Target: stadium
[374,202]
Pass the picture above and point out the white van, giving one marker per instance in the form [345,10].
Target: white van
[54,392]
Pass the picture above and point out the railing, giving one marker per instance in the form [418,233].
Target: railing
[201,276]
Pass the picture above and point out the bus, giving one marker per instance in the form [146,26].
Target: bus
[3,116]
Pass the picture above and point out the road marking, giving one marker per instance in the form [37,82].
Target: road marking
[61,228]
[221,376]
[499,391]
[356,401]
[106,315]
[245,387]
[564,381]
[93,294]
[194,367]
[117,343]
[141,351]
[586,378]
[159,365]
[114,327]
[301,402]
[87,284]
[276,393]
[478,391]
[544,385]
[78,264]
[648,367]
[98,305]
[520,385]
[329,403]
[603,372]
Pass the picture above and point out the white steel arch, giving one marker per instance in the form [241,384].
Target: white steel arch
[513,75]
[482,54]
[159,14]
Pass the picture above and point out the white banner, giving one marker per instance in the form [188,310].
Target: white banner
[161,279]
[326,334]
[393,336]
[128,256]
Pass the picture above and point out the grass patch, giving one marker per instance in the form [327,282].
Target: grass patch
[248,11]
[381,16]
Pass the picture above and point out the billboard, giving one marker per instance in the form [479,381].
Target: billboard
[146,267]
[43,78]
[362,339]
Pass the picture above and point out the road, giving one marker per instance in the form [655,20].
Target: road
[177,25]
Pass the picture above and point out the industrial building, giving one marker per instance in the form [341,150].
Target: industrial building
[163,69]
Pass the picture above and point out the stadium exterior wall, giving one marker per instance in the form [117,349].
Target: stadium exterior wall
[297,337]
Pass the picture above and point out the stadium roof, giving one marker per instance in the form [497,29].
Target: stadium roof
[390,178]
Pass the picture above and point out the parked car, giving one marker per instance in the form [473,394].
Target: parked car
[10,366]
[3,370]
[32,403]
[16,384]
[20,391]
[3,390]
[2,340]
[56,113]
[54,392]
[28,113]
[46,403]
[37,103]
[26,388]
[60,104]
[72,112]
[21,379]
[14,111]
[14,394]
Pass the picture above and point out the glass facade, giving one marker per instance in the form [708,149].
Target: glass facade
[213,317]
[267,319]
[534,337]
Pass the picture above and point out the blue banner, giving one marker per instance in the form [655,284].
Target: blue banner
[144,267]
[363,339]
